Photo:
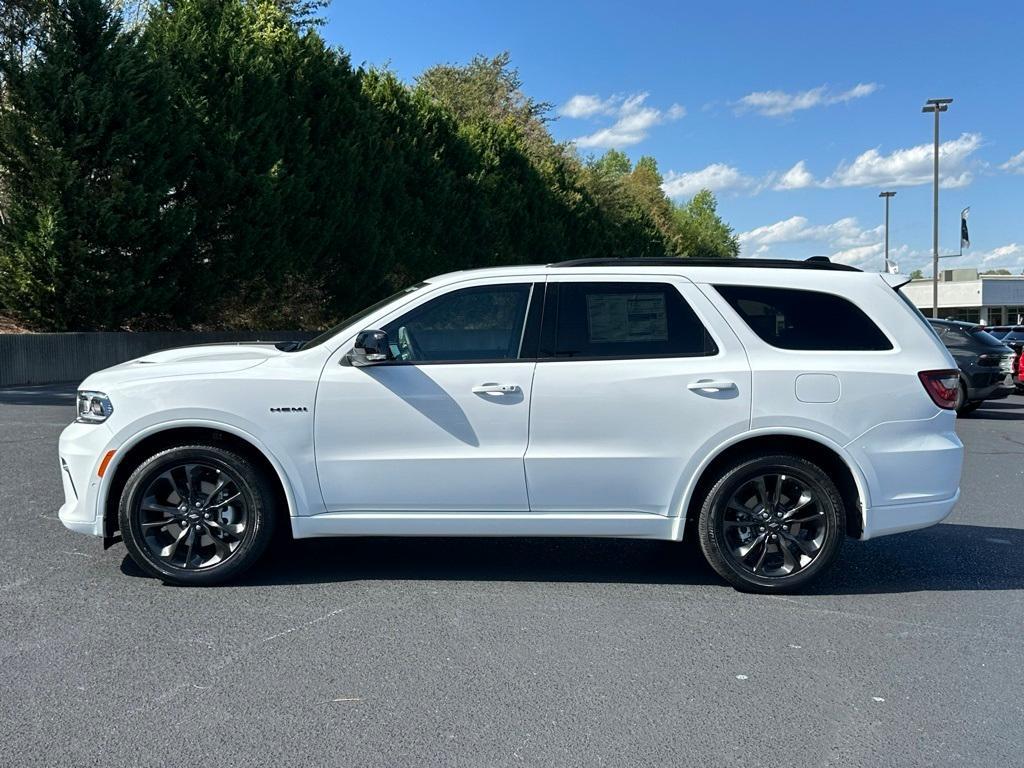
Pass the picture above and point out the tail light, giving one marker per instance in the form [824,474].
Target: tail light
[941,386]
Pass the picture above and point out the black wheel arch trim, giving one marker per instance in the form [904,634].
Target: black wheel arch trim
[168,435]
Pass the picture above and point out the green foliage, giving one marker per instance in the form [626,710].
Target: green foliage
[212,163]
[917,274]
[88,157]
[649,223]
[702,232]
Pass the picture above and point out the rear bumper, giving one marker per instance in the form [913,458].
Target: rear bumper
[897,518]
[908,465]
[988,387]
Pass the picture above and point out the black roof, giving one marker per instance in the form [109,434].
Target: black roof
[815,262]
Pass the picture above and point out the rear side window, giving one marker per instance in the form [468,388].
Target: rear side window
[608,320]
[985,338]
[805,320]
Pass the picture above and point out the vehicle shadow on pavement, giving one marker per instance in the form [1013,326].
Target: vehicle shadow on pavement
[947,557]
[999,410]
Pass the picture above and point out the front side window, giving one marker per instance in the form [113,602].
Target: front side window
[804,320]
[471,324]
[602,320]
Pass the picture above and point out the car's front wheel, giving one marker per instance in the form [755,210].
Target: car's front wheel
[196,515]
[771,524]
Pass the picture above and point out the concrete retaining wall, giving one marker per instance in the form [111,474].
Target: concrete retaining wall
[48,358]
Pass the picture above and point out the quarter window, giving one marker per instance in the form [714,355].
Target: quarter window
[601,320]
[471,324]
[804,320]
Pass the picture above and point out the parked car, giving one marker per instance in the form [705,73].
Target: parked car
[736,401]
[986,364]
[1013,337]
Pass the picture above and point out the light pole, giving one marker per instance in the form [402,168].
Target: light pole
[937,106]
[886,195]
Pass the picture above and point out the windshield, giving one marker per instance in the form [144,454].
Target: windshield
[984,337]
[352,320]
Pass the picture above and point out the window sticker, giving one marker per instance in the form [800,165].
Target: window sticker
[619,317]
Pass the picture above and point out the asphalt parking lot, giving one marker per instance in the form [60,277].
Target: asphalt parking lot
[388,652]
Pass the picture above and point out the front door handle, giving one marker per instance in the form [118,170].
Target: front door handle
[711,385]
[495,389]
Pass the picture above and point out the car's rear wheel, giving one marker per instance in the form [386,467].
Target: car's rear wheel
[771,524]
[196,515]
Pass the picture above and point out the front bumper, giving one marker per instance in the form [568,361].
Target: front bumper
[81,448]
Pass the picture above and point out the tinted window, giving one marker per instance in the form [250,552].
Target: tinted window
[625,320]
[482,323]
[808,320]
[985,338]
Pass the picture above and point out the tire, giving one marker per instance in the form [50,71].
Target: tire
[970,407]
[197,515]
[732,518]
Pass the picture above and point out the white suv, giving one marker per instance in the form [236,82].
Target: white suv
[770,408]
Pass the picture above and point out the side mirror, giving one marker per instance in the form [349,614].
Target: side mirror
[371,347]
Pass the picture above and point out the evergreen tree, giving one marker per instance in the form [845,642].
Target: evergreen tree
[89,159]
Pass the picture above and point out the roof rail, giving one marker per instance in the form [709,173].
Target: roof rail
[815,262]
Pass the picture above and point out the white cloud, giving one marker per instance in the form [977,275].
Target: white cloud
[781,103]
[718,177]
[845,241]
[1015,164]
[841,234]
[910,166]
[862,255]
[1011,255]
[634,119]
[677,111]
[900,168]
[797,177]
[585,105]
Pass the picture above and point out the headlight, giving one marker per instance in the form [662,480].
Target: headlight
[93,407]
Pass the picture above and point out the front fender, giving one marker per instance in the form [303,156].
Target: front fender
[130,435]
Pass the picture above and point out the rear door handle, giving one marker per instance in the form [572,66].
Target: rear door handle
[710,385]
[495,389]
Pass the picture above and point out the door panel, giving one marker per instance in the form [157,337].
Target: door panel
[444,425]
[623,435]
[418,438]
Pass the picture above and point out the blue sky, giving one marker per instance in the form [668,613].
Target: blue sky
[795,114]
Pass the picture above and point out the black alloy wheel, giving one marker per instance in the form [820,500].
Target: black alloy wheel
[196,515]
[772,524]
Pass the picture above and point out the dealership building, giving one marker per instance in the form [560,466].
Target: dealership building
[966,295]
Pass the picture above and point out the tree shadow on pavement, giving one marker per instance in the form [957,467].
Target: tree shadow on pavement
[39,394]
[946,557]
